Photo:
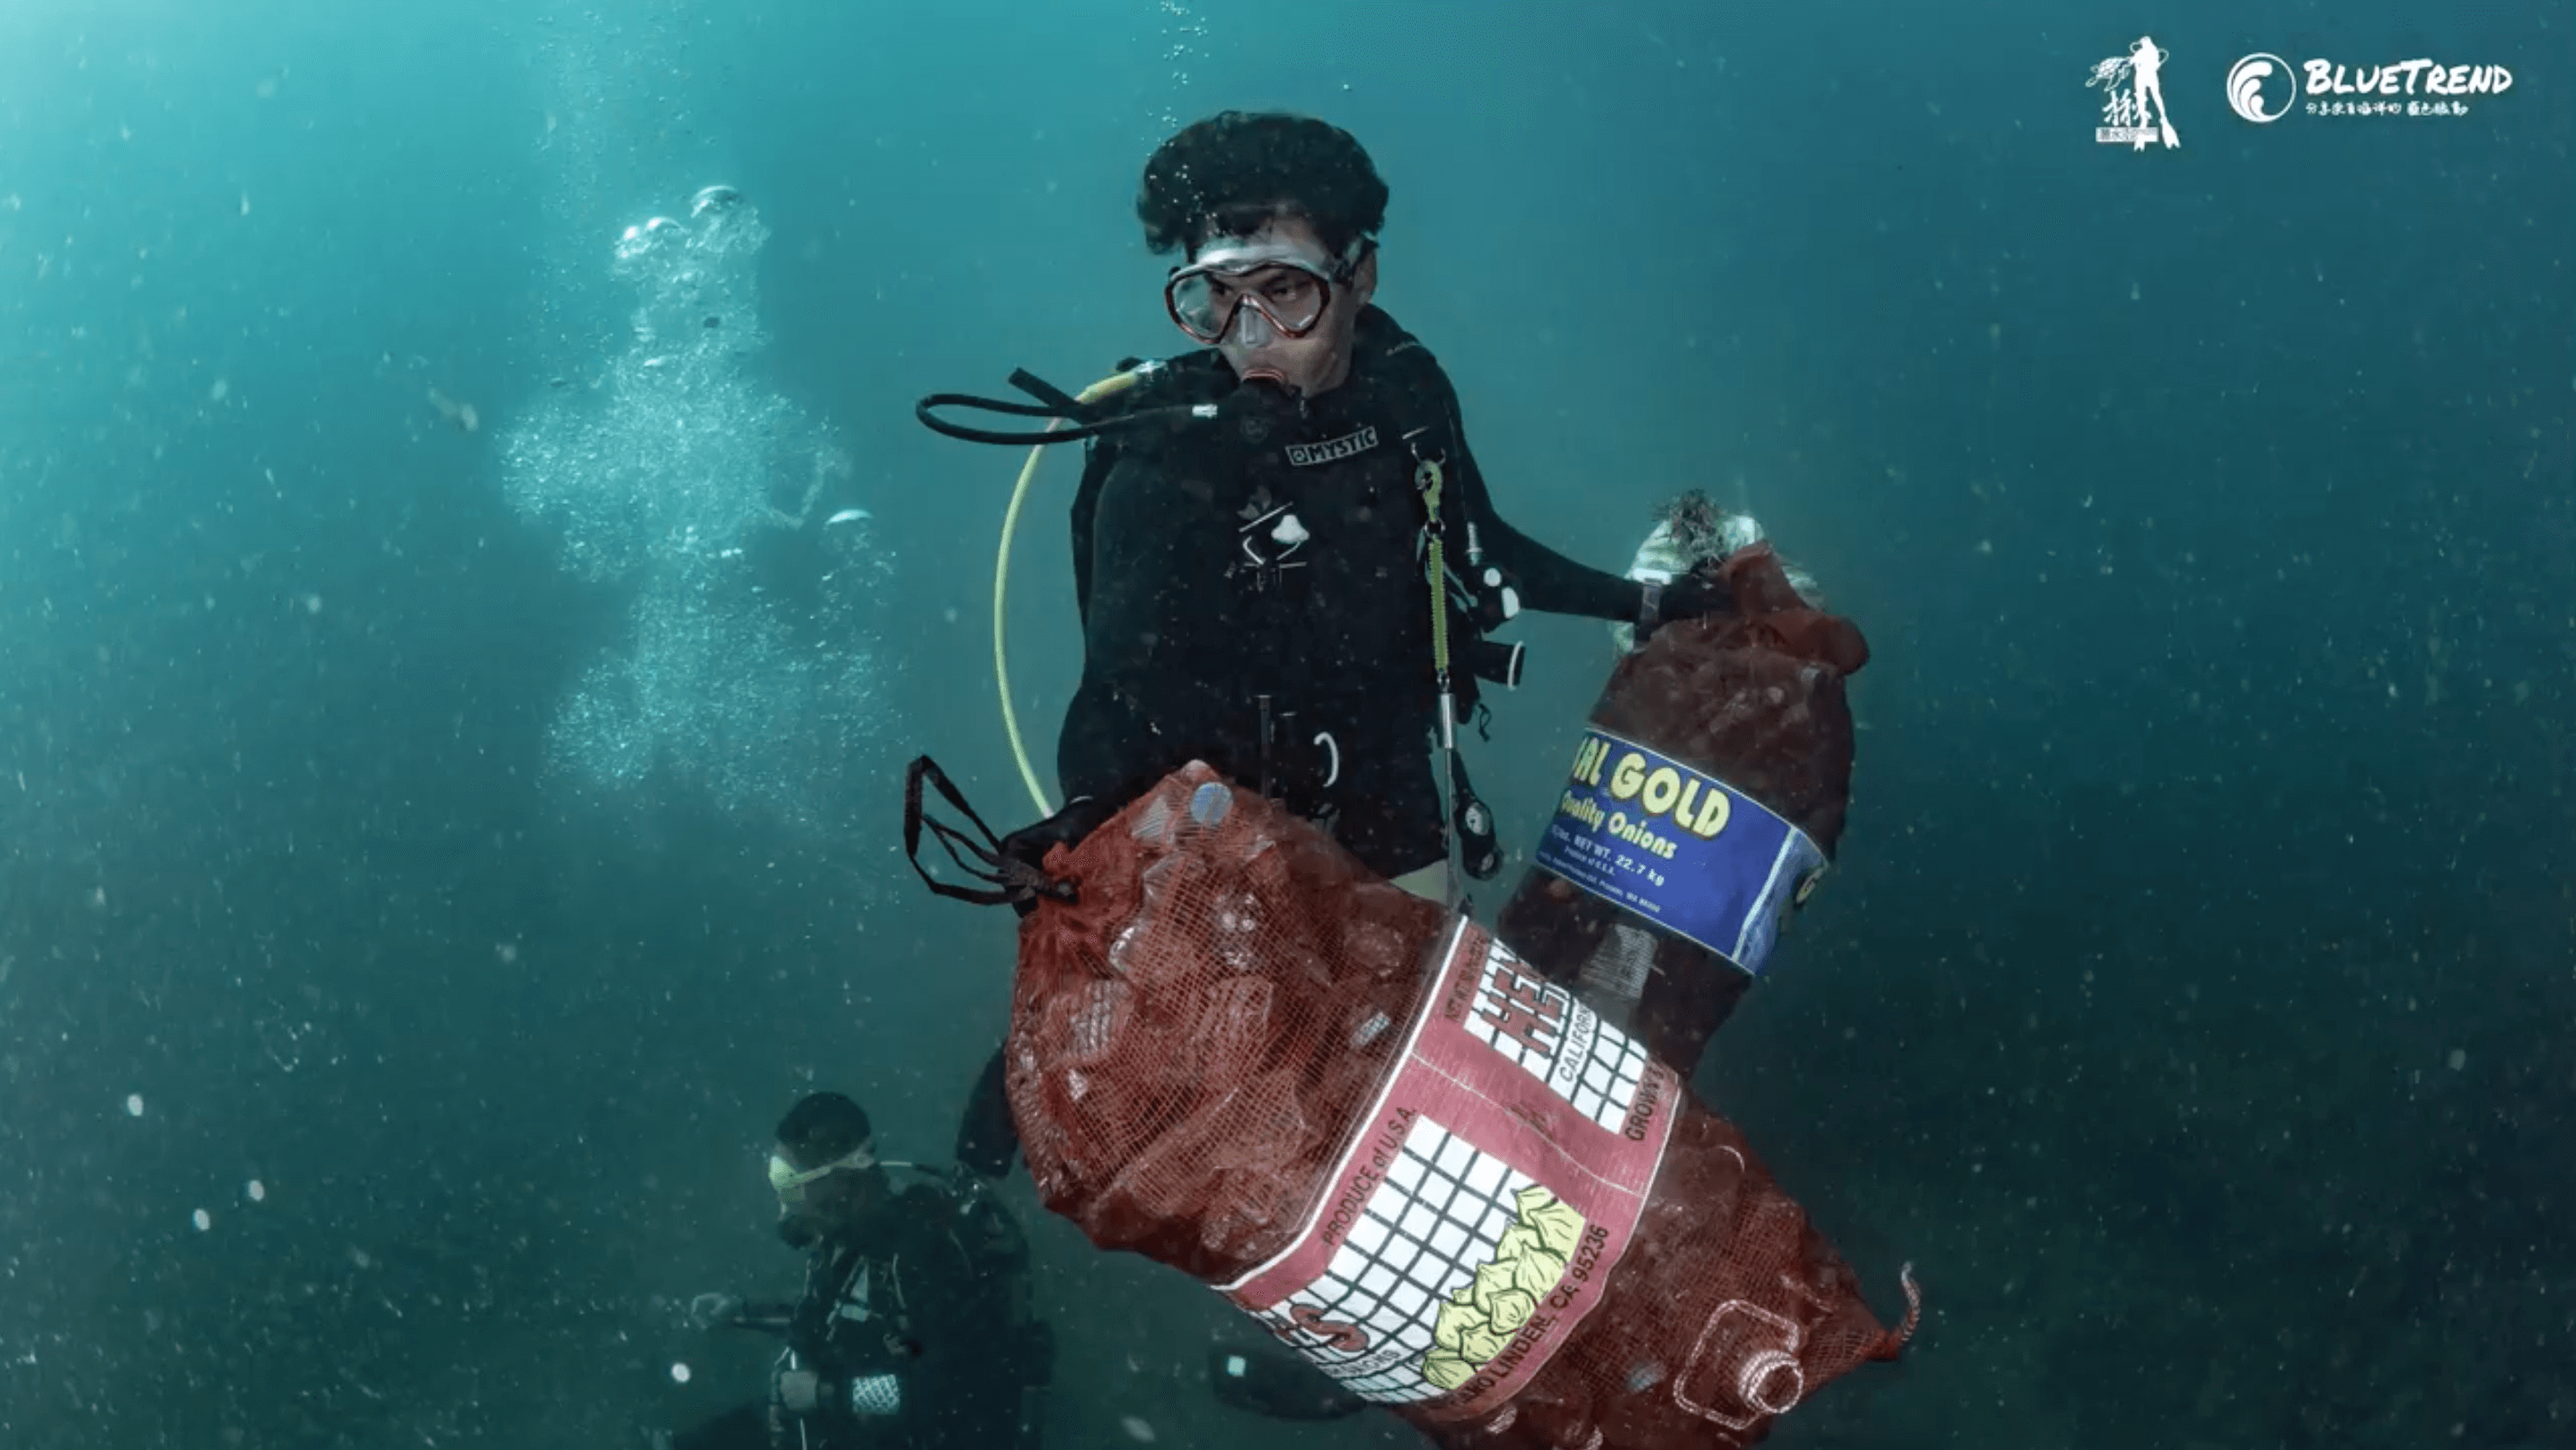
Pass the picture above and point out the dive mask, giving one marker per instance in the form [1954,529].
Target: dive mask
[789,1181]
[1261,290]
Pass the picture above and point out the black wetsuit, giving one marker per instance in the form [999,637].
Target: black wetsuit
[1253,594]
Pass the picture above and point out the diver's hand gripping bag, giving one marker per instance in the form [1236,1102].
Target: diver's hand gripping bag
[1705,799]
[1442,1179]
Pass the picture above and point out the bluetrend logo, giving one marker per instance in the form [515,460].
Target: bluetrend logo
[2262,88]
[2133,98]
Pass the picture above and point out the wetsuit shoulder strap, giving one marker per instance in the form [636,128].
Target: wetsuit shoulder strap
[1418,396]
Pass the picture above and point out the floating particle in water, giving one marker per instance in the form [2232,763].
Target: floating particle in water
[1137,1430]
[217,393]
[507,951]
[679,1372]
[134,1105]
[847,516]
[202,1219]
[459,415]
[255,1191]
[2459,1058]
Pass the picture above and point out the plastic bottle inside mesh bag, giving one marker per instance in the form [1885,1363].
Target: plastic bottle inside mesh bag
[1441,1178]
[1689,531]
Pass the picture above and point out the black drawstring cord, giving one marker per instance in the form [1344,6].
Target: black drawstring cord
[1013,880]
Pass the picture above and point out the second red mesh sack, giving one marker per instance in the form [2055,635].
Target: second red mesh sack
[1440,1177]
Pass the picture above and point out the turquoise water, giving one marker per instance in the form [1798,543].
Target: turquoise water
[452,698]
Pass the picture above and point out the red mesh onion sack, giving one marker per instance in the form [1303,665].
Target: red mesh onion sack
[1757,690]
[1439,1177]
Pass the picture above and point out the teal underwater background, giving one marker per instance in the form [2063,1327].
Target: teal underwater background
[409,806]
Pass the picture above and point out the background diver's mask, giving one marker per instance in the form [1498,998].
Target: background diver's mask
[789,1181]
[1262,290]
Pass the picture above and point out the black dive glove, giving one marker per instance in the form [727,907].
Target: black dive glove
[1692,596]
[806,1392]
[729,1311]
[1029,844]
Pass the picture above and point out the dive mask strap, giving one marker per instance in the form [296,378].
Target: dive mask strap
[1012,881]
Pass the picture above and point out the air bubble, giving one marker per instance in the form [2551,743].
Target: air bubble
[662,481]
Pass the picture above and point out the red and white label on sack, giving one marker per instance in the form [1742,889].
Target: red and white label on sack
[1476,1216]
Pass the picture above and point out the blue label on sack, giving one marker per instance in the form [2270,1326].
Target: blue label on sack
[1684,850]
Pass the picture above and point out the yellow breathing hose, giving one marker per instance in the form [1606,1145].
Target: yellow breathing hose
[1106,387]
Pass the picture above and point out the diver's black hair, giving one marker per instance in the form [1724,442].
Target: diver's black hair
[822,1127]
[1230,173]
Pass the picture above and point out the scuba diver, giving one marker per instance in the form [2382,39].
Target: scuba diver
[1279,537]
[914,1329]
[1251,530]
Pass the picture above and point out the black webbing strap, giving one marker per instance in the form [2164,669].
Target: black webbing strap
[1011,880]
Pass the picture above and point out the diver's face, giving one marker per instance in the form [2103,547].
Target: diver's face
[837,1200]
[1320,361]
